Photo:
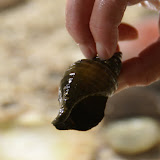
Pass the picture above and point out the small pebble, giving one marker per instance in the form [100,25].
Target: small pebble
[133,135]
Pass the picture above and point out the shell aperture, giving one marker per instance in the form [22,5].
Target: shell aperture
[84,91]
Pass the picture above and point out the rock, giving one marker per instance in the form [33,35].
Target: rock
[133,135]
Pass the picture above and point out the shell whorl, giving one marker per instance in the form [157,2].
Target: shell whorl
[84,91]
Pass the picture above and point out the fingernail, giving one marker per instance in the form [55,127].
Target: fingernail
[102,51]
[88,51]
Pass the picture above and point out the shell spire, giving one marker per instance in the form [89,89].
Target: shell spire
[84,91]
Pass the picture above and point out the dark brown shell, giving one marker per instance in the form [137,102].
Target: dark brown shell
[84,91]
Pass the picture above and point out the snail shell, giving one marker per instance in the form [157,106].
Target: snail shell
[84,91]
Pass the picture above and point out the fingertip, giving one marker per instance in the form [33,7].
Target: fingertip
[127,32]
[104,56]
[105,19]
[103,52]
[88,51]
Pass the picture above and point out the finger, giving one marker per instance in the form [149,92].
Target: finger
[152,4]
[127,32]
[141,70]
[105,19]
[78,14]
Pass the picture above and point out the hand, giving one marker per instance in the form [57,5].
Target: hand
[142,70]
[95,26]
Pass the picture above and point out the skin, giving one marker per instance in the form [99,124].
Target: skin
[89,21]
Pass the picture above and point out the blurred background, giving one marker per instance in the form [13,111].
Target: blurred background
[35,50]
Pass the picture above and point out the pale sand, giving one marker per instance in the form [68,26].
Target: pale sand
[35,49]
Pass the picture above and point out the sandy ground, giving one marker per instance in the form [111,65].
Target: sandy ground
[35,49]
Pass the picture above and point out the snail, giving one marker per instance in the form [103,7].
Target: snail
[84,91]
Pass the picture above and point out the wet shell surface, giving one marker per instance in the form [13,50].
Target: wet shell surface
[84,91]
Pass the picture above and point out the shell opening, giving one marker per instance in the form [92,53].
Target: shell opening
[85,114]
[88,112]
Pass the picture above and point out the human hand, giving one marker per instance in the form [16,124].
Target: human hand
[142,66]
[141,70]
[95,26]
